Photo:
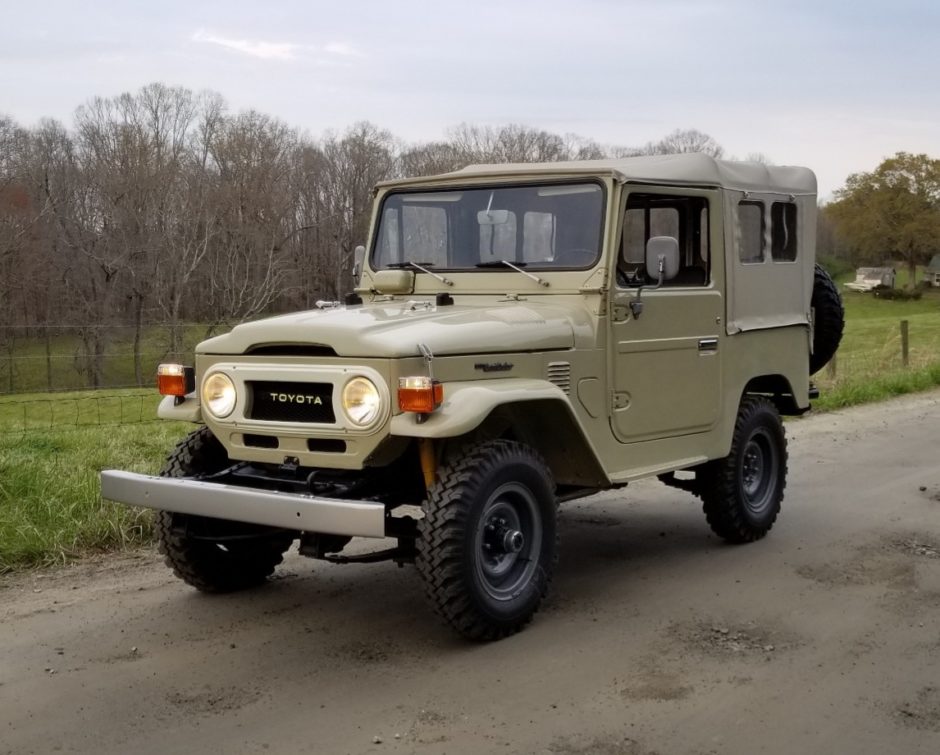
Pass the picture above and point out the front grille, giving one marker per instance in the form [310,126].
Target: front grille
[290,402]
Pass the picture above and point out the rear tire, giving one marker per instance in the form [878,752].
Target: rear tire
[742,492]
[487,543]
[214,555]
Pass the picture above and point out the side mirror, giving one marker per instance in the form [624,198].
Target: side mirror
[662,257]
[662,261]
[393,281]
[359,257]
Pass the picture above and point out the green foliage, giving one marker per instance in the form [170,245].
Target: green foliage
[839,269]
[897,294]
[892,212]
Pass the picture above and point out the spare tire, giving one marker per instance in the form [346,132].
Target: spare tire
[828,320]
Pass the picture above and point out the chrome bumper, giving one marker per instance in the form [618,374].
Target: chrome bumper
[291,511]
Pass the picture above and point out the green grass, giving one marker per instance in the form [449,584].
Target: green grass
[50,506]
[868,365]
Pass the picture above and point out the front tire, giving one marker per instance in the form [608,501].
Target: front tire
[487,543]
[742,492]
[214,555]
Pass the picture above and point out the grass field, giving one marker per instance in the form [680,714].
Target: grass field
[53,446]
[868,365]
[50,506]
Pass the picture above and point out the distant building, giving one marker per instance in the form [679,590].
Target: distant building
[870,278]
[932,273]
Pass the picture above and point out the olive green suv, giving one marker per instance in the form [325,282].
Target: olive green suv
[517,336]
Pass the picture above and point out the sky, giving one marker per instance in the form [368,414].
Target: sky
[832,85]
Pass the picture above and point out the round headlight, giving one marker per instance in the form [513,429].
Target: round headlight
[361,401]
[218,395]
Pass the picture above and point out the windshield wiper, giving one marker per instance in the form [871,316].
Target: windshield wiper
[420,266]
[517,268]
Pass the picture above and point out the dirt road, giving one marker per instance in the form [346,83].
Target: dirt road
[657,638]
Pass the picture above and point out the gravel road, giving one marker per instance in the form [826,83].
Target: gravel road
[657,637]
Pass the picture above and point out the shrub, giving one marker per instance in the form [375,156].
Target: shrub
[897,294]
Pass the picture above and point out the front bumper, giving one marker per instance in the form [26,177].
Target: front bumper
[293,511]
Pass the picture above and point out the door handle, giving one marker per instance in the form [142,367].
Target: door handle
[708,345]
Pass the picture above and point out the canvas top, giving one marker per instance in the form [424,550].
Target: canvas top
[686,169]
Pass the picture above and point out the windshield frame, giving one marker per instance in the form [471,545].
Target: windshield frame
[495,184]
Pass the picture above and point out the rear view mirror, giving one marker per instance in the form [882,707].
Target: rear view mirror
[662,257]
[492,217]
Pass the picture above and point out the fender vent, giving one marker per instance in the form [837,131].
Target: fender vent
[559,373]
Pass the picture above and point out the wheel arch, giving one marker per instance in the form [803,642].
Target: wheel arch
[534,412]
[777,389]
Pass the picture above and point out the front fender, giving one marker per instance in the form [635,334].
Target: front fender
[467,404]
[187,411]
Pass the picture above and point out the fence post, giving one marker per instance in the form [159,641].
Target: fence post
[831,367]
[905,353]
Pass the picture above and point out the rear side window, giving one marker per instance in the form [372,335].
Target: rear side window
[751,225]
[783,231]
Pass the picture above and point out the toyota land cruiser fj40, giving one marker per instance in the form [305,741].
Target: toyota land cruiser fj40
[518,336]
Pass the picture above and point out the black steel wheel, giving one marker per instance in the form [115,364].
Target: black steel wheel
[742,493]
[214,555]
[487,543]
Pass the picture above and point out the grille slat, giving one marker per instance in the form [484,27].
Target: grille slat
[559,373]
[290,402]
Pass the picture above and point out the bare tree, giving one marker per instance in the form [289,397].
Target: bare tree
[685,140]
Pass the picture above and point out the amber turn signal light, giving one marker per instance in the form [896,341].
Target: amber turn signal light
[175,379]
[419,394]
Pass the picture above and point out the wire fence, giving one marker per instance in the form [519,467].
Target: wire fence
[70,357]
[77,412]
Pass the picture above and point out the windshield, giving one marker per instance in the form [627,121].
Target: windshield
[545,227]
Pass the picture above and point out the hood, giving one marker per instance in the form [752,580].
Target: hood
[394,329]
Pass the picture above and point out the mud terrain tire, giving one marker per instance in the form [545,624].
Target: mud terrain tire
[742,492]
[242,556]
[487,544]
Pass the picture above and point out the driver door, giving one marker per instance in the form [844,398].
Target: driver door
[667,360]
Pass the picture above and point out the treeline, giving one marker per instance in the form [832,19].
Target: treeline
[162,207]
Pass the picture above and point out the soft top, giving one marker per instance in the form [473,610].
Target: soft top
[684,169]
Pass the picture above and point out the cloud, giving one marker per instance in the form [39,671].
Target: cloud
[256,48]
[341,48]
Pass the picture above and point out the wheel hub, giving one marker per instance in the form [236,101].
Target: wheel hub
[753,472]
[508,541]
[500,538]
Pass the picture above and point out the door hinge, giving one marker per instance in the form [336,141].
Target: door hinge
[621,400]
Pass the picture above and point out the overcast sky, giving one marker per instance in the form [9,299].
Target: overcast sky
[835,86]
